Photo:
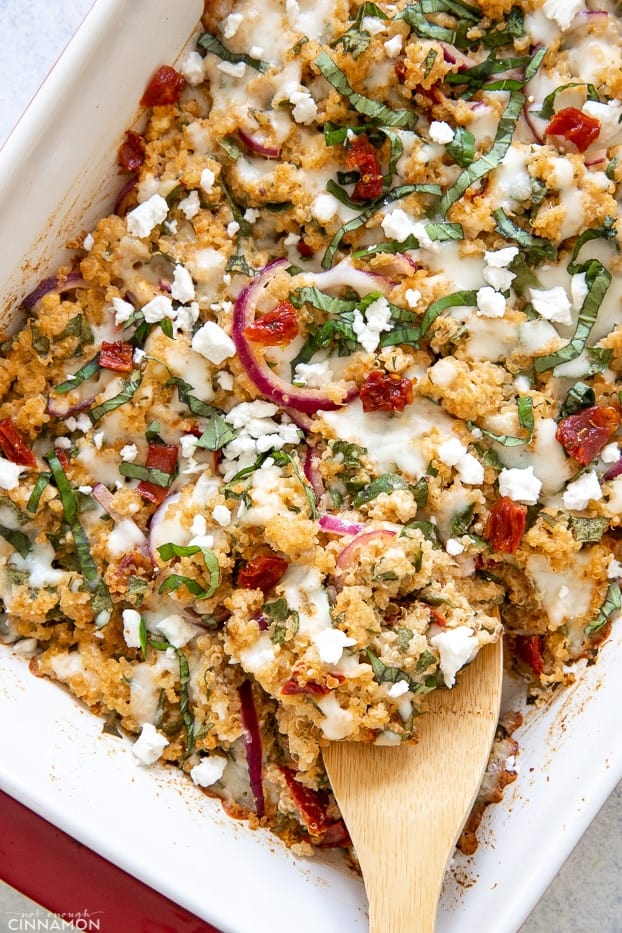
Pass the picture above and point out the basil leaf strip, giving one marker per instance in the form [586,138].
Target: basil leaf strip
[535,248]
[283,459]
[606,232]
[168,551]
[355,39]
[17,539]
[588,530]
[392,675]
[125,395]
[146,474]
[217,434]
[598,280]
[195,405]
[613,602]
[184,679]
[102,600]
[491,159]
[35,496]
[525,419]
[85,372]
[372,109]
[387,482]
[209,43]
[580,396]
[548,104]
[462,147]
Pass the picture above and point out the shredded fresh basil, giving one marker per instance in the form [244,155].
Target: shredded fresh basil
[535,249]
[392,675]
[217,434]
[169,551]
[17,539]
[196,405]
[606,231]
[588,530]
[387,483]
[355,40]
[209,43]
[524,403]
[146,474]
[461,521]
[488,160]
[612,603]
[414,15]
[285,621]
[577,398]
[85,372]
[427,529]
[462,147]
[412,335]
[130,385]
[548,104]
[35,496]
[78,327]
[281,458]
[371,109]
[598,280]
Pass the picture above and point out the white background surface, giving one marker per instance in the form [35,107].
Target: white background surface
[586,896]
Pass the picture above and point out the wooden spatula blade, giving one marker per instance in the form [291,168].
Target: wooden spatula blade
[405,806]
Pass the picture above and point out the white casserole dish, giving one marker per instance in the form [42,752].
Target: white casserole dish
[56,177]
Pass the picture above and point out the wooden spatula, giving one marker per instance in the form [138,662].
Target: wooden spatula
[405,806]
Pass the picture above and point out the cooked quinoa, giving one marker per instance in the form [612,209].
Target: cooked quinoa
[334,385]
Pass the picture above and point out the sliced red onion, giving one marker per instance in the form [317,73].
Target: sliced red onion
[59,407]
[529,120]
[301,421]
[340,526]
[312,472]
[258,146]
[51,285]
[346,557]
[254,752]
[598,159]
[122,202]
[271,386]
[103,495]
[614,471]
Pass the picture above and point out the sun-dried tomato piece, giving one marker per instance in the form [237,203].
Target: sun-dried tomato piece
[506,525]
[131,152]
[62,456]
[575,126]
[529,649]
[362,156]
[117,356]
[312,804]
[305,250]
[14,446]
[161,457]
[262,572]
[166,87]
[276,328]
[584,434]
[384,391]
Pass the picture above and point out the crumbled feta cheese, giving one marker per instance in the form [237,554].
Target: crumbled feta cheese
[609,116]
[614,569]
[233,69]
[578,290]
[176,630]
[500,258]
[305,108]
[10,474]
[520,485]
[324,207]
[412,296]
[552,304]
[578,495]
[368,329]
[441,132]
[245,412]
[157,309]
[98,440]
[192,67]
[562,11]
[213,343]
[451,452]
[291,239]
[232,228]
[231,25]
[252,215]
[182,288]
[457,647]
[444,372]
[207,180]
[188,444]
[222,515]
[398,689]
[190,205]
[63,442]
[373,25]
[225,380]
[397,225]
[131,628]
[490,303]
[610,453]
[123,310]
[315,375]
[393,46]
[198,526]
[454,547]
[88,242]
[470,470]
[209,770]
[499,279]
[149,745]
[129,452]
[330,643]
[142,220]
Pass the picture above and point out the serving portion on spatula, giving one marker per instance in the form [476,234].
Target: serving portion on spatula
[405,806]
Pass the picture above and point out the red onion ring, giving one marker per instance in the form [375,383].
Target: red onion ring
[254,753]
[614,471]
[55,407]
[122,202]
[271,386]
[53,284]
[257,146]
[341,527]
[312,472]
[347,555]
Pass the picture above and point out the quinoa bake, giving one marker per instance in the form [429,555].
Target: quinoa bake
[331,399]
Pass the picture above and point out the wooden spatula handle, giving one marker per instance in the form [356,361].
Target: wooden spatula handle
[406,806]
